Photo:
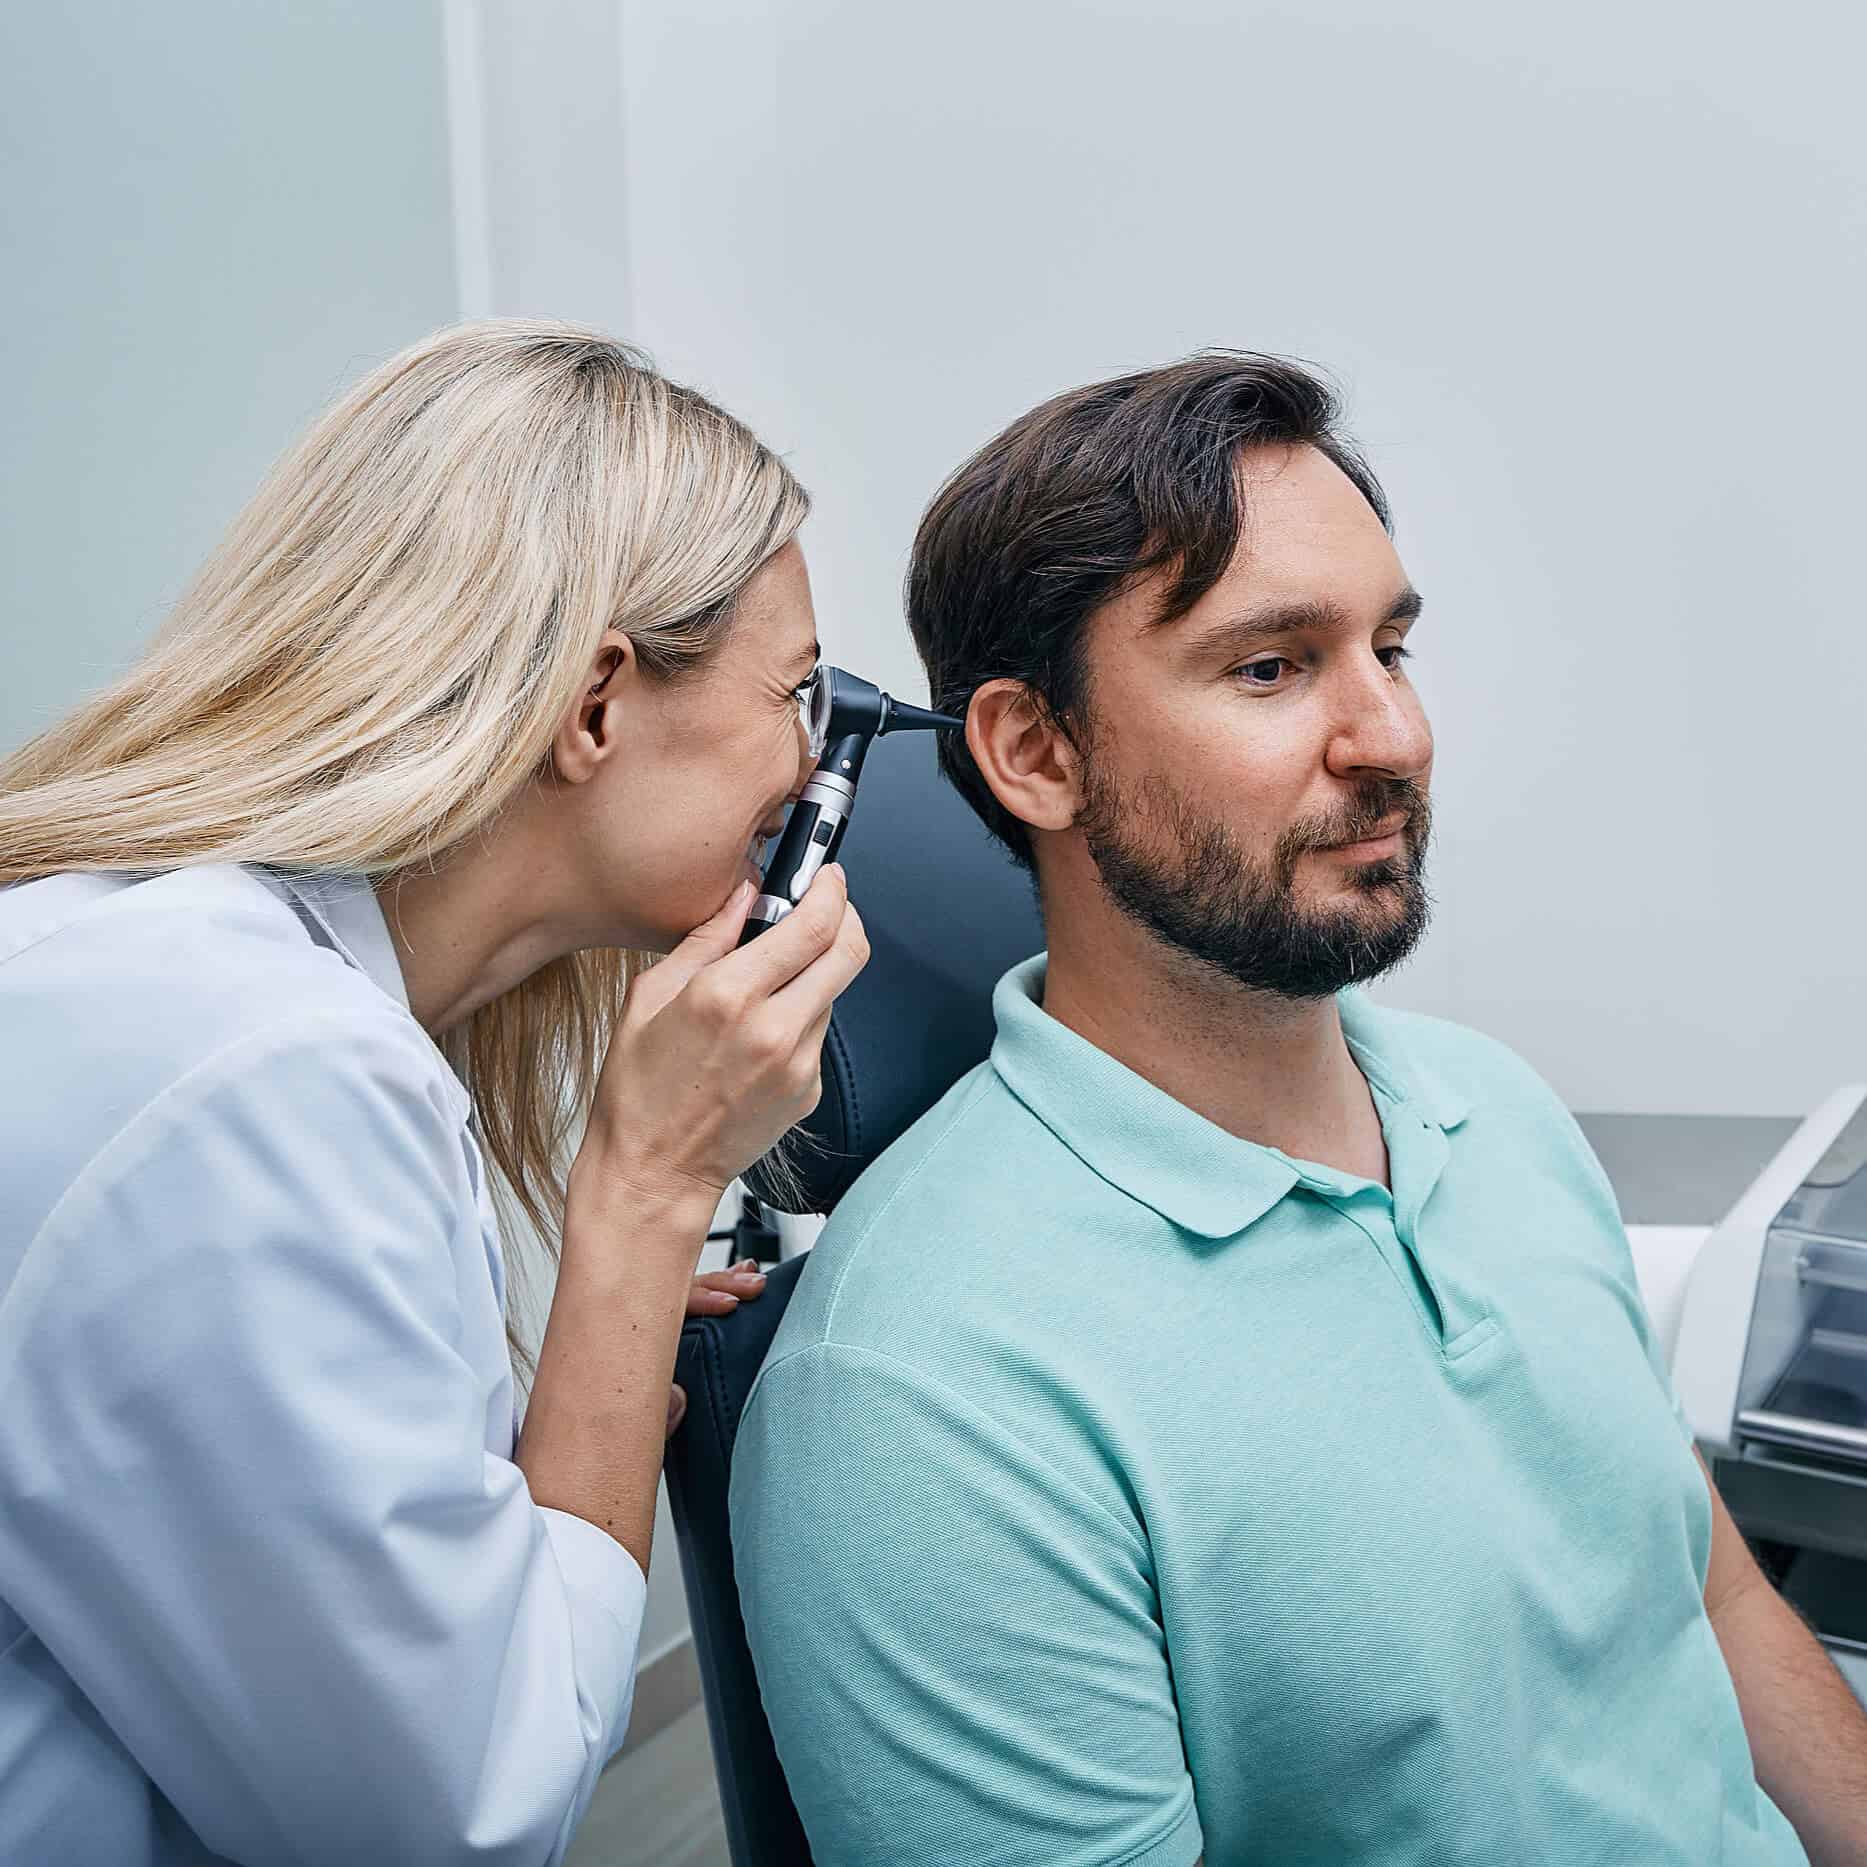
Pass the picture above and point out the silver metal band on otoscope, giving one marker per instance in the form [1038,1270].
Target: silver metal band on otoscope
[823,787]
[834,798]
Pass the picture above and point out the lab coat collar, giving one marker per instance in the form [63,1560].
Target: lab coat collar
[345,906]
[1155,1149]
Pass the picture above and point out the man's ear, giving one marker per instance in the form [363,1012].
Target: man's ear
[1024,755]
[590,733]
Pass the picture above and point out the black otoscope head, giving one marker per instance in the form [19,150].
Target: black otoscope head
[848,705]
[844,714]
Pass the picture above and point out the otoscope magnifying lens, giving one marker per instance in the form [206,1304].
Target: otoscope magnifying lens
[813,708]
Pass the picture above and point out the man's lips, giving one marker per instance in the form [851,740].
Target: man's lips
[1384,832]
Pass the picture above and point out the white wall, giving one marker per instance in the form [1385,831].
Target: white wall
[1591,279]
[536,89]
[1594,277]
[212,216]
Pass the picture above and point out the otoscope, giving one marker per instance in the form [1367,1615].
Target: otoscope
[842,713]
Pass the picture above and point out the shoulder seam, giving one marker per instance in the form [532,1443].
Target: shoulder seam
[1131,1533]
[907,1180]
[81,911]
[190,1077]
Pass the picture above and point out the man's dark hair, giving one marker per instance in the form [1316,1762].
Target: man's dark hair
[1096,486]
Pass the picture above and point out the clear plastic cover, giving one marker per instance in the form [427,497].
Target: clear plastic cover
[1804,1383]
[813,708]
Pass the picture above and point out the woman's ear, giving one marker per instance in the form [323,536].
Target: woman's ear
[590,732]
[1023,754]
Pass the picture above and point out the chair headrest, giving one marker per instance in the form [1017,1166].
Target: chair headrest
[947,912]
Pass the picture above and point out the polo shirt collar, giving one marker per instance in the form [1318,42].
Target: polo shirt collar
[1400,1079]
[1155,1149]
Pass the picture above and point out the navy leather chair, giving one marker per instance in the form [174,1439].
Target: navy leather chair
[947,912]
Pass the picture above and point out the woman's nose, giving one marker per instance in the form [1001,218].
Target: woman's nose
[806,759]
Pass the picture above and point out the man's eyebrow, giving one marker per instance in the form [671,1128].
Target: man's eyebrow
[1238,633]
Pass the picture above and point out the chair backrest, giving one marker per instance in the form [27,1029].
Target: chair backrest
[947,912]
[718,1361]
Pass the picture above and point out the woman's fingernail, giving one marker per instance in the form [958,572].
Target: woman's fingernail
[751,1279]
[727,1297]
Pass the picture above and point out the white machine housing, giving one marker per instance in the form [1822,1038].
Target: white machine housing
[1771,1367]
[1721,1302]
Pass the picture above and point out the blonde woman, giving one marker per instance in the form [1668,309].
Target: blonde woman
[314,947]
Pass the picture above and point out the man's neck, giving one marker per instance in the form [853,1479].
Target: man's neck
[1272,1070]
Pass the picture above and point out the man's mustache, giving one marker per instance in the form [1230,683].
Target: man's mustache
[1374,809]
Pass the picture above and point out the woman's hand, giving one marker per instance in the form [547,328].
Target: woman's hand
[715,1055]
[718,1293]
[718,1050]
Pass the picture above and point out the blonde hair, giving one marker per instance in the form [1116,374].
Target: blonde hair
[373,661]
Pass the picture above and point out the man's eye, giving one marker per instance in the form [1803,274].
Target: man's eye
[1263,672]
[1272,662]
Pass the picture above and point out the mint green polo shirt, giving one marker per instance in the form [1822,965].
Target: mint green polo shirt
[1118,1489]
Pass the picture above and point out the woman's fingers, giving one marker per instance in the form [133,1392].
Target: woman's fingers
[719,1293]
[712,940]
[714,937]
[715,1057]
[810,995]
[806,932]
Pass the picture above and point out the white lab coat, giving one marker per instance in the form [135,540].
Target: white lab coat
[271,1587]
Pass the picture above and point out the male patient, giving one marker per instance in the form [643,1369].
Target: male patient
[1228,1420]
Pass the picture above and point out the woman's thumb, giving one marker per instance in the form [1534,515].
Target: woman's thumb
[720,930]
[713,939]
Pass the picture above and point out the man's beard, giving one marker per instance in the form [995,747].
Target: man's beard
[1184,875]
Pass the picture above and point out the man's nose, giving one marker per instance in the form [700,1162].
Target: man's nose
[1381,727]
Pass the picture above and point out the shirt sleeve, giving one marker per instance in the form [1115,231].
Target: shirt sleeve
[249,1505]
[960,1651]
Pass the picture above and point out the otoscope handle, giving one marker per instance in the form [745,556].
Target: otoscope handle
[812,835]
[858,713]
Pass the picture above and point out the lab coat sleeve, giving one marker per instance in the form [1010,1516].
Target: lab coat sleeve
[248,1501]
[960,1652]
